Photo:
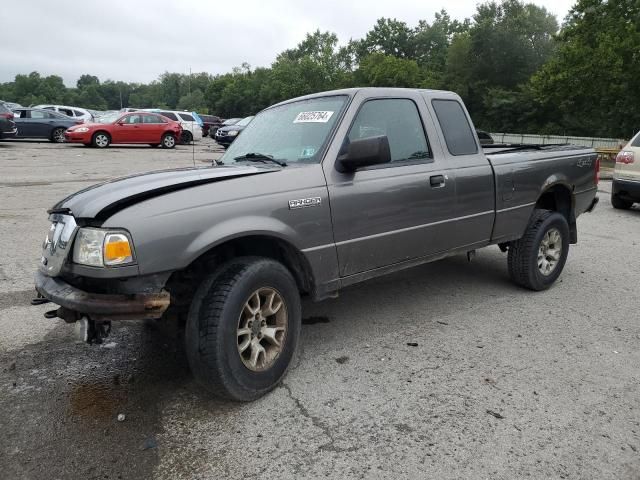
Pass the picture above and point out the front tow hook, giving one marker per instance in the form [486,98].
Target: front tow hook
[90,331]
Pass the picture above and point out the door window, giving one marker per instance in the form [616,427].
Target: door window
[131,119]
[186,117]
[400,121]
[152,119]
[170,115]
[40,115]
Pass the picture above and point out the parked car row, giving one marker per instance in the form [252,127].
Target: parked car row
[60,123]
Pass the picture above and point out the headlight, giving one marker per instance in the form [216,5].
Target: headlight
[99,248]
[233,133]
[81,130]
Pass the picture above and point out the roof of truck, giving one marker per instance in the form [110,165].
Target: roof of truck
[381,91]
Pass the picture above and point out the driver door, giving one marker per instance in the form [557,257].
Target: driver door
[390,213]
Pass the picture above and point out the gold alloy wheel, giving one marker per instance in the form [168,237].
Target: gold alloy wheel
[550,251]
[262,328]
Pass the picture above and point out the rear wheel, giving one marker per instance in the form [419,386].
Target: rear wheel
[187,137]
[537,259]
[243,327]
[57,135]
[620,203]
[168,140]
[101,140]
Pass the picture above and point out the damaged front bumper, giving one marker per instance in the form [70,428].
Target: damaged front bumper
[75,303]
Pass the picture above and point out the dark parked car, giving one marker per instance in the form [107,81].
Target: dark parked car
[355,184]
[225,123]
[226,135]
[38,123]
[210,123]
[7,123]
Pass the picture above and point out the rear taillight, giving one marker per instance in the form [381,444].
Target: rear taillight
[597,172]
[8,116]
[625,157]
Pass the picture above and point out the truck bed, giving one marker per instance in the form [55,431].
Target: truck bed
[518,186]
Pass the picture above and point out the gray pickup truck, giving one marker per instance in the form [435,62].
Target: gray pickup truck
[317,193]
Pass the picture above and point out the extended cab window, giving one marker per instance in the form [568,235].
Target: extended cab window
[399,120]
[186,117]
[455,127]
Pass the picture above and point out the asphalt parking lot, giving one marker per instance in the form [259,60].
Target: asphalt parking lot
[445,371]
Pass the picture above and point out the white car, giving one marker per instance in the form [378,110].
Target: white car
[625,189]
[73,112]
[191,129]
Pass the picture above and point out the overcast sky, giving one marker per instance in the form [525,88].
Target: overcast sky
[138,40]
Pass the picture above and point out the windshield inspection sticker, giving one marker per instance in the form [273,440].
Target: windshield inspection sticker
[313,117]
[308,152]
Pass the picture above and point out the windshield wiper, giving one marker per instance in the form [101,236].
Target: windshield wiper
[260,157]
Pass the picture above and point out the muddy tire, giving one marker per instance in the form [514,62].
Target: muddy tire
[537,259]
[620,203]
[243,327]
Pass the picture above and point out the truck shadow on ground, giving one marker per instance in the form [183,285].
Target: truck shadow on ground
[58,394]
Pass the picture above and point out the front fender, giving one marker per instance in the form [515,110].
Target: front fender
[244,226]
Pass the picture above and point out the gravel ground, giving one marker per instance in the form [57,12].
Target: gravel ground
[444,371]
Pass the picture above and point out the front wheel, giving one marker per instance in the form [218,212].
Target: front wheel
[57,135]
[168,140]
[243,327]
[537,259]
[101,140]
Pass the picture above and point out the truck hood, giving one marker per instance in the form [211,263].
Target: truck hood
[102,200]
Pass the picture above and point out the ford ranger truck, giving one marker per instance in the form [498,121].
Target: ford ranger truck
[316,194]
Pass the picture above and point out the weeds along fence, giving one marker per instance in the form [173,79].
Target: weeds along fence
[595,142]
[607,148]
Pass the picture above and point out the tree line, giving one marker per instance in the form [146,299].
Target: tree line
[513,65]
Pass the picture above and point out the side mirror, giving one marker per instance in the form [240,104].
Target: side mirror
[363,153]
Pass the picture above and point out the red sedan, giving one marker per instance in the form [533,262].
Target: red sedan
[133,127]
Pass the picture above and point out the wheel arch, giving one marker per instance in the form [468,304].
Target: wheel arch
[558,197]
[182,283]
[93,135]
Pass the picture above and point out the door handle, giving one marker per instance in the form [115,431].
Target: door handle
[436,181]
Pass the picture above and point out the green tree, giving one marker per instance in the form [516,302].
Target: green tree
[389,37]
[379,70]
[87,80]
[591,84]
[193,102]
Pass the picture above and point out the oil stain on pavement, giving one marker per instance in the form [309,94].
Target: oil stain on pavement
[76,411]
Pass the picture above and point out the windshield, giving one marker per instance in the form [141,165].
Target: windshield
[109,117]
[294,132]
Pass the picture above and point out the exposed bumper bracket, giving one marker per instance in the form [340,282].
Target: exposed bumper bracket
[101,307]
